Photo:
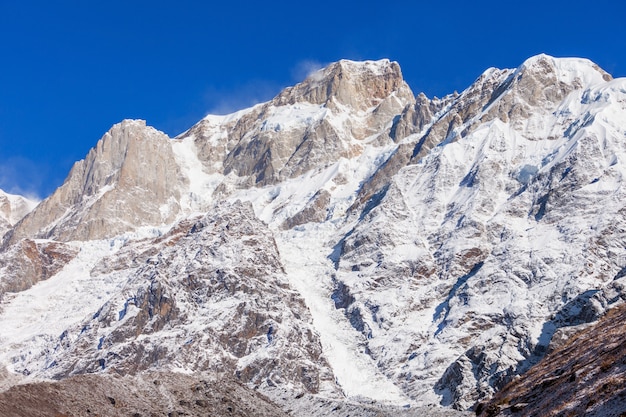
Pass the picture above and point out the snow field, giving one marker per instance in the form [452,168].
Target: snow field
[305,257]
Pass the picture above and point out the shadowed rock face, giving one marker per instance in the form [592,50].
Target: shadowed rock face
[584,376]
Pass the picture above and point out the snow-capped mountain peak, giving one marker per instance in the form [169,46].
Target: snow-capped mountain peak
[14,207]
[567,70]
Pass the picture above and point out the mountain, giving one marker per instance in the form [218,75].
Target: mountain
[346,239]
[476,248]
[12,209]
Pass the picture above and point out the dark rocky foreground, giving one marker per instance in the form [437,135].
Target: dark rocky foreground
[168,394]
[586,376]
[148,395]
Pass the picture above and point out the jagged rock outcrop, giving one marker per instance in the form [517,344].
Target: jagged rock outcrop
[129,179]
[309,126]
[521,98]
[358,85]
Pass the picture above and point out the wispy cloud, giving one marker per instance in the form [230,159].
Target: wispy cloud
[222,101]
[306,68]
[24,177]
[226,101]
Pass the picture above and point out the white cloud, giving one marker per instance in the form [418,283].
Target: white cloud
[225,101]
[307,68]
[241,97]
[21,176]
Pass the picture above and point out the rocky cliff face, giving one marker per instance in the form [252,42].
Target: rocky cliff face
[346,237]
[12,209]
[130,179]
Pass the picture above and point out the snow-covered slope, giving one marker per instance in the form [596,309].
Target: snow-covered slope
[12,209]
[210,294]
[345,238]
[474,249]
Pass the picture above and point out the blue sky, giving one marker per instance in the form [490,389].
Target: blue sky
[71,69]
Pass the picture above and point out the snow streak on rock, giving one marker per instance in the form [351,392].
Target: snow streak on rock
[312,274]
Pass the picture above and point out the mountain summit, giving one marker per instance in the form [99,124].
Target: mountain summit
[12,209]
[346,239]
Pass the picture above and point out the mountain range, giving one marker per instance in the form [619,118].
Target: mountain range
[347,243]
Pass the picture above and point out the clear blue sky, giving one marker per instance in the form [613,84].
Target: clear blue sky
[71,69]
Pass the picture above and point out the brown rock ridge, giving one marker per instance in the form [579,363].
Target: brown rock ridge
[585,376]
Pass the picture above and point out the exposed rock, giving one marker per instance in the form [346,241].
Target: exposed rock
[316,210]
[30,261]
[305,127]
[144,395]
[129,179]
[216,300]
[584,376]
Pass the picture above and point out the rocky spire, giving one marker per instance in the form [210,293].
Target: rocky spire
[129,179]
